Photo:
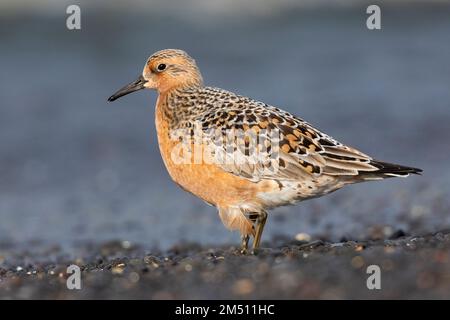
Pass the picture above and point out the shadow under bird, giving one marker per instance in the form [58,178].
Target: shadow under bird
[308,163]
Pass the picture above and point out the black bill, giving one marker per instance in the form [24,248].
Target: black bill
[129,88]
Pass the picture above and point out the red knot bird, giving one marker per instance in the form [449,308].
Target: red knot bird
[241,155]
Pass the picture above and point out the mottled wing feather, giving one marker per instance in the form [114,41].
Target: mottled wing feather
[303,151]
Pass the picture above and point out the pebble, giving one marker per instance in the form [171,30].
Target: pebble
[243,287]
[302,237]
[357,262]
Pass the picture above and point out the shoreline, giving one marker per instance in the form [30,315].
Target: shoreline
[411,267]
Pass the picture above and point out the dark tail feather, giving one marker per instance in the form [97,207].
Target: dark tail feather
[393,170]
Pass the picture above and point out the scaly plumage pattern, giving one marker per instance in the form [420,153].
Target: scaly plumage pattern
[298,161]
[304,150]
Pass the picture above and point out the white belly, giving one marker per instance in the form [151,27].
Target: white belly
[291,192]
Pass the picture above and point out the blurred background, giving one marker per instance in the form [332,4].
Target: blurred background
[74,168]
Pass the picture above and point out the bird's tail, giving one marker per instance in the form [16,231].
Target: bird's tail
[386,170]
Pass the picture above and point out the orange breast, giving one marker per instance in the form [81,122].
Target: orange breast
[207,181]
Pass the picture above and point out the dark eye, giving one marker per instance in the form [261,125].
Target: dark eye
[161,67]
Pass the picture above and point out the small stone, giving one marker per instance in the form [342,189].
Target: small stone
[134,277]
[302,237]
[397,234]
[151,260]
[389,249]
[243,287]
[387,264]
[117,270]
[126,244]
[357,262]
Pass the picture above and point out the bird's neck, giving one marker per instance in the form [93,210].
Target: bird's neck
[178,105]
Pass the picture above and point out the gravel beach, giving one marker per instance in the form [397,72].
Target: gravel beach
[412,267]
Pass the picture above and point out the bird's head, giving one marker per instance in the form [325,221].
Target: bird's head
[165,70]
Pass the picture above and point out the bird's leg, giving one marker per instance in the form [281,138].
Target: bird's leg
[244,243]
[260,222]
[252,216]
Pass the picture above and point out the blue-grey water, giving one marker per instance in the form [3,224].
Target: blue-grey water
[76,168]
